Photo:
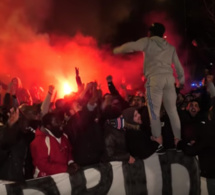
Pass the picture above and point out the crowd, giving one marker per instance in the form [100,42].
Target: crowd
[88,127]
[45,136]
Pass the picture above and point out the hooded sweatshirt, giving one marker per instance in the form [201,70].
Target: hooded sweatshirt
[159,56]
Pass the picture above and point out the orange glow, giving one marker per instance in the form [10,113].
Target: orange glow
[67,89]
[47,59]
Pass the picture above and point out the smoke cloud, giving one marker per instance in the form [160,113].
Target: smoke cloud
[44,58]
[42,45]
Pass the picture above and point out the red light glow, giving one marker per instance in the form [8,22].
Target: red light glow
[67,89]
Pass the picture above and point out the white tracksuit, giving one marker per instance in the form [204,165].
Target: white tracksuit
[160,85]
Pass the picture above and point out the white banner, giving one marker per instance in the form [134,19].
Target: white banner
[169,174]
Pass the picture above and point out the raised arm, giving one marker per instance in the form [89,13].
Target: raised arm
[9,132]
[78,80]
[179,69]
[46,103]
[115,92]
[133,46]
[10,100]
[111,86]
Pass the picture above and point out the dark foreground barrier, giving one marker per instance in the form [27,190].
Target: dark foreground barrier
[172,173]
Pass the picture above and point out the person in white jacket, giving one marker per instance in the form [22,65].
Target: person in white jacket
[160,85]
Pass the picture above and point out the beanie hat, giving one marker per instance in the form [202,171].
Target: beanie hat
[157,29]
[128,115]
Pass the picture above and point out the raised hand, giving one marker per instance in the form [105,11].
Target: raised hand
[13,116]
[51,89]
[109,78]
[77,71]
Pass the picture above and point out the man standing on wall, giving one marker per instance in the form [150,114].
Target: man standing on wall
[160,85]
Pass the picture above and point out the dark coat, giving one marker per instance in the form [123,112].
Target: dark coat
[189,125]
[115,145]
[139,143]
[15,163]
[204,148]
[86,137]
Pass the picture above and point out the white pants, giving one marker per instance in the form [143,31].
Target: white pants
[161,88]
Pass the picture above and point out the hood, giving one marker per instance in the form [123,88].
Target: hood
[162,43]
[40,132]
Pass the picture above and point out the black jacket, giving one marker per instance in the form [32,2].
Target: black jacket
[204,148]
[115,145]
[86,137]
[15,158]
[139,143]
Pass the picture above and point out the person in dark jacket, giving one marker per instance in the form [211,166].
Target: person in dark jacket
[16,135]
[138,137]
[84,130]
[203,146]
[190,119]
[115,145]
[118,99]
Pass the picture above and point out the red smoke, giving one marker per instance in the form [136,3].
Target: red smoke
[36,61]
[42,60]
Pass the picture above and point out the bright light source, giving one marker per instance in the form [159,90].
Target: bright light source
[165,37]
[211,64]
[67,89]
[193,84]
